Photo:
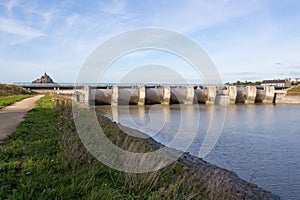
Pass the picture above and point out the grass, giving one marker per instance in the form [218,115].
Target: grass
[294,89]
[11,90]
[10,94]
[6,101]
[45,159]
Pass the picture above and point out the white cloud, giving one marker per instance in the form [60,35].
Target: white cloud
[195,15]
[11,4]
[71,20]
[17,28]
[115,7]
[47,16]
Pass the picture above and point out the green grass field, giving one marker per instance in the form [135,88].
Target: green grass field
[5,101]
[45,159]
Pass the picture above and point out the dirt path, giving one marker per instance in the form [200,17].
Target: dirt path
[12,115]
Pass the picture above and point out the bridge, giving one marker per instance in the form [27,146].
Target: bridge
[141,94]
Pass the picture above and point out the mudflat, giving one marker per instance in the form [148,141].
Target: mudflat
[12,115]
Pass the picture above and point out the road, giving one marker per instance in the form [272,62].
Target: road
[11,116]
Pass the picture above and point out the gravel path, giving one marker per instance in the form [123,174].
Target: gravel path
[12,115]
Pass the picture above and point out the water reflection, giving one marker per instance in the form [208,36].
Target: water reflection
[260,140]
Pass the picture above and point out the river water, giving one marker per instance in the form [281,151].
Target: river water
[261,143]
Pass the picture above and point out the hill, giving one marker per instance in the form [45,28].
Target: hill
[44,79]
[11,90]
[294,89]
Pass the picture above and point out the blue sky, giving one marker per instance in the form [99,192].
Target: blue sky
[247,40]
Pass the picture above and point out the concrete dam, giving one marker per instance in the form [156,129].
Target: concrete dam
[165,95]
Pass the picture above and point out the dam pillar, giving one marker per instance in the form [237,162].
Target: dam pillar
[115,96]
[250,92]
[270,94]
[190,93]
[142,95]
[166,95]
[211,95]
[232,93]
[86,95]
[78,96]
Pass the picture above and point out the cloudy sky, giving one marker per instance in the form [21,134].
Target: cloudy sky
[247,40]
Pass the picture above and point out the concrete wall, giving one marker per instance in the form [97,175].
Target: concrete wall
[182,95]
[63,92]
[178,95]
[189,95]
[103,96]
[232,93]
[206,95]
[260,96]
[270,95]
[246,95]
[115,96]
[250,93]
[154,95]
[185,95]
[286,99]
[211,94]
[201,95]
[166,95]
[128,96]
[86,95]
[266,95]
[142,95]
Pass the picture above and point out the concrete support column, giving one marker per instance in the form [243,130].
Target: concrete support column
[250,94]
[270,94]
[76,96]
[190,93]
[115,96]
[166,95]
[115,114]
[211,94]
[232,93]
[142,95]
[86,95]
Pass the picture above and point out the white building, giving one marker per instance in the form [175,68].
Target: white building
[295,79]
[278,83]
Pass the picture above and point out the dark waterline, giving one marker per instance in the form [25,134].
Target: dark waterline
[261,143]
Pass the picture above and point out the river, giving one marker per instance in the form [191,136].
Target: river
[261,143]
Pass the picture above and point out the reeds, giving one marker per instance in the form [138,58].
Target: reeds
[171,182]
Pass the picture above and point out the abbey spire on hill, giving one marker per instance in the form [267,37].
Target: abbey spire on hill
[44,79]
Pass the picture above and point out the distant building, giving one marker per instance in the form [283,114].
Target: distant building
[295,79]
[278,83]
[44,79]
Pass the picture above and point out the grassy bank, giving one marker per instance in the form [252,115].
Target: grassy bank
[44,159]
[10,94]
[294,90]
[8,100]
[11,90]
